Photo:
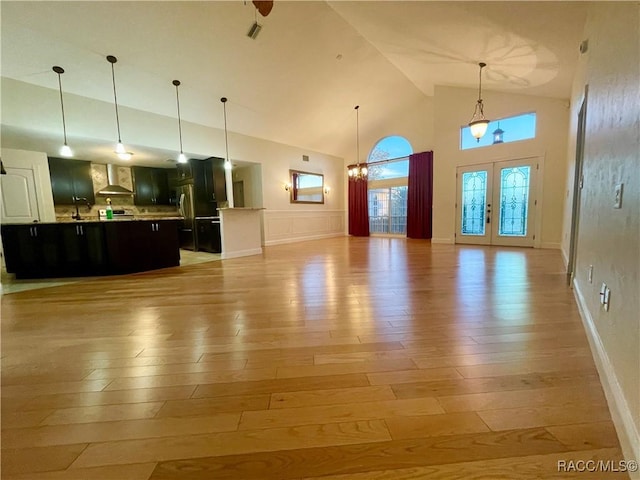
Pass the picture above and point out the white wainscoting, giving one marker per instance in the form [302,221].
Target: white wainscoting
[289,226]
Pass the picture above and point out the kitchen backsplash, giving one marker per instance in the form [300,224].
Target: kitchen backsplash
[99,178]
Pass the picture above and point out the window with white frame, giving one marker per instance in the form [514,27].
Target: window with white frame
[388,175]
[504,130]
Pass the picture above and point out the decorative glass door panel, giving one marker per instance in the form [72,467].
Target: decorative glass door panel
[508,186]
[514,201]
[474,204]
[474,200]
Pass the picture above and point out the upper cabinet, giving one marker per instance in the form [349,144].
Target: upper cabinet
[209,185]
[70,179]
[184,172]
[151,186]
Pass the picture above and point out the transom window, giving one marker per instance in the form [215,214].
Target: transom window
[504,130]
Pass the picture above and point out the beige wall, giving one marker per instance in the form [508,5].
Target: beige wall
[608,238]
[453,108]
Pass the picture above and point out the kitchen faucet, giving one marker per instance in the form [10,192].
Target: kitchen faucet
[77,216]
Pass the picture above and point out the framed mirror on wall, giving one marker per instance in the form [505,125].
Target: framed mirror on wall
[306,187]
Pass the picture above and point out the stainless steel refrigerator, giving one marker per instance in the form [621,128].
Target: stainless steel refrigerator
[186,204]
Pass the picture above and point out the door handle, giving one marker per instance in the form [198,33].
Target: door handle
[77,230]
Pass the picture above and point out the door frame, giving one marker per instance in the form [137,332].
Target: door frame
[578,180]
[536,192]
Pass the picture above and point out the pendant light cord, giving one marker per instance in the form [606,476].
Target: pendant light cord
[226,140]
[115,99]
[64,126]
[176,83]
[357,109]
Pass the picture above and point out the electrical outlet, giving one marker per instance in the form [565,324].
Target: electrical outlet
[590,274]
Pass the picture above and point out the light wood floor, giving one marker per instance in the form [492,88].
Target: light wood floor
[346,358]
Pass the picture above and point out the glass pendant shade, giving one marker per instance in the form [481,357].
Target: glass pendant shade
[120,148]
[478,126]
[66,151]
[182,158]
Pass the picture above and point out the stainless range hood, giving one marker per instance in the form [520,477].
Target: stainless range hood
[114,187]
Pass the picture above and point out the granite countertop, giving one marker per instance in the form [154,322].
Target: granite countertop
[93,219]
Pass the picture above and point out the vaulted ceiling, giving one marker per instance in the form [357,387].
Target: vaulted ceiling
[298,81]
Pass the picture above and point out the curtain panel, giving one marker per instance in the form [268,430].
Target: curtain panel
[358,207]
[420,195]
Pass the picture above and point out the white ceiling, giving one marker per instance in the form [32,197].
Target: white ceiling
[298,81]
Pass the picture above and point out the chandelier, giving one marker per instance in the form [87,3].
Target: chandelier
[357,171]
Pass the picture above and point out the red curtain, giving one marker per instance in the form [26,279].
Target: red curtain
[420,195]
[358,208]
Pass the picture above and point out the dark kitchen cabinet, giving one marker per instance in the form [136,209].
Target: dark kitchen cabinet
[69,179]
[209,185]
[151,186]
[209,235]
[82,249]
[35,251]
[142,245]
[89,248]
[184,172]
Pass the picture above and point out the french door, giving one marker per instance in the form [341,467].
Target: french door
[496,203]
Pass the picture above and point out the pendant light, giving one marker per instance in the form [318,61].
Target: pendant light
[181,158]
[120,150]
[478,123]
[358,172]
[65,150]
[227,162]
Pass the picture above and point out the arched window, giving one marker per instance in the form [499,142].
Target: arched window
[388,179]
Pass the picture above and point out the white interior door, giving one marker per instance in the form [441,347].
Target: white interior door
[496,203]
[18,193]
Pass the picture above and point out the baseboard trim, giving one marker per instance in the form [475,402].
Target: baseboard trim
[448,241]
[620,413]
[551,245]
[241,253]
[306,238]
[565,257]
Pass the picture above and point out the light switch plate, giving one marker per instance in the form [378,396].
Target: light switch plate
[618,196]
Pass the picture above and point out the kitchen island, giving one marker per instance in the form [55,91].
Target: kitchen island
[90,247]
